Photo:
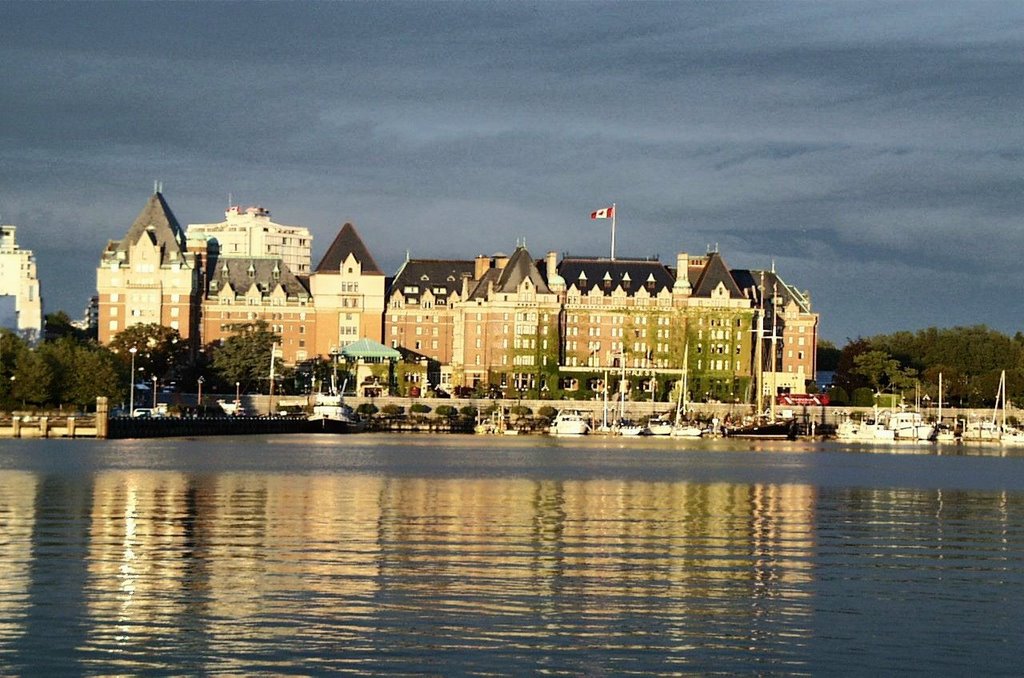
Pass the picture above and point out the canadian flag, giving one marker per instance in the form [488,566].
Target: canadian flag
[605,213]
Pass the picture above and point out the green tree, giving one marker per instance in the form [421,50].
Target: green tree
[160,350]
[34,379]
[244,357]
[58,326]
[12,347]
[828,356]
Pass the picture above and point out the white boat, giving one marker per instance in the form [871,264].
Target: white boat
[686,430]
[680,427]
[866,430]
[334,416]
[625,427]
[570,423]
[231,409]
[657,426]
[910,426]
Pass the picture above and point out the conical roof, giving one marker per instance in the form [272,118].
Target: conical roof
[157,222]
[348,242]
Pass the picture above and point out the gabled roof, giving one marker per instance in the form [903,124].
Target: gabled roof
[607,275]
[345,243]
[750,282]
[266,274]
[432,274]
[716,272]
[157,223]
[520,267]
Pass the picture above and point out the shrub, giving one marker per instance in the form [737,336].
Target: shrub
[863,397]
[419,408]
[393,410]
[445,411]
[521,411]
[468,411]
[838,396]
[547,411]
[367,409]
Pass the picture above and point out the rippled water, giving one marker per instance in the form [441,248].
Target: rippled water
[463,555]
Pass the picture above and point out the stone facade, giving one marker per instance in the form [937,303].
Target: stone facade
[149,276]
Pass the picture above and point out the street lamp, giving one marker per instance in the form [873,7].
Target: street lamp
[131,398]
[154,391]
[199,397]
[238,395]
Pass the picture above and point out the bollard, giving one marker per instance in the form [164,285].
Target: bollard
[71,427]
[16,427]
[44,427]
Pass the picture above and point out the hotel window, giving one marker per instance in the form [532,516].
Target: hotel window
[113,310]
[114,297]
[113,325]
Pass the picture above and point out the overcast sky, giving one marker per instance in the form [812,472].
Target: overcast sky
[874,151]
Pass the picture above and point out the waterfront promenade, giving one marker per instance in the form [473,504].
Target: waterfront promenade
[25,424]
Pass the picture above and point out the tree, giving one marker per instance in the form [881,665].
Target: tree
[828,356]
[881,370]
[58,326]
[160,351]
[244,357]
[34,379]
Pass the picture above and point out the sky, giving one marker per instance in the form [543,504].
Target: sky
[874,152]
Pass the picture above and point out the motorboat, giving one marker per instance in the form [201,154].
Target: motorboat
[910,426]
[871,429]
[334,416]
[570,423]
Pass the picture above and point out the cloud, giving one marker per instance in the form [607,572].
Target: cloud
[869,146]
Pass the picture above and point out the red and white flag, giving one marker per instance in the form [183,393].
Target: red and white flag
[605,213]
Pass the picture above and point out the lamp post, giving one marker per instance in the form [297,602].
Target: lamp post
[131,397]
[199,396]
[154,391]
[238,395]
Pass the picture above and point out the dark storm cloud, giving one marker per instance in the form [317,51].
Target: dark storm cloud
[873,150]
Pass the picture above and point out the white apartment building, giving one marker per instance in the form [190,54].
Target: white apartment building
[251,233]
[18,279]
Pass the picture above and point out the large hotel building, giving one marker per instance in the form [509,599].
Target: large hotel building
[543,327]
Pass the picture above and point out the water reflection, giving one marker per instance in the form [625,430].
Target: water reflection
[280,572]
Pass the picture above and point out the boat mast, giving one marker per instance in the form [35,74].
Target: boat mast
[758,360]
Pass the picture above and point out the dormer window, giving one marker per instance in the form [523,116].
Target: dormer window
[251,271]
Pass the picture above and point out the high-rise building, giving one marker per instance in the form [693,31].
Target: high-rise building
[250,233]
[19,280]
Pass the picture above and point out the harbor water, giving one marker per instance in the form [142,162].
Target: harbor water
[394,555]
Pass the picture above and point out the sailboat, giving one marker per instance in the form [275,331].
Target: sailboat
[943,433]
[988,431]
[1010,434]
[681,428]
[764,425]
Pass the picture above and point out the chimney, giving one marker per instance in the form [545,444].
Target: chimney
[551,259]
[682,283]
[481,265]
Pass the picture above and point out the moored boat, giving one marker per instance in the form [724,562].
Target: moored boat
[570,423]
[334,416]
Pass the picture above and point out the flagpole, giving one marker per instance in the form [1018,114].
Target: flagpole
[613,231]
